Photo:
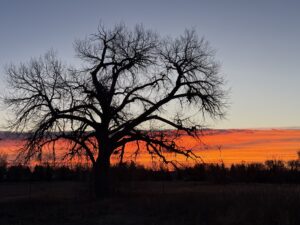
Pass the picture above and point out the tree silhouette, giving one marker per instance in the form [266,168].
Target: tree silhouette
[133,82]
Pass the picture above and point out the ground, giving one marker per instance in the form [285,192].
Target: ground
[165,203]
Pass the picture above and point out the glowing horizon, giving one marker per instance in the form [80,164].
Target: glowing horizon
[230,146]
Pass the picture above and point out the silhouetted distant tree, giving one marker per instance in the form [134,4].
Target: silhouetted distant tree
[3,159]
[3,165]
[133,82]
[18,173]
[275,165]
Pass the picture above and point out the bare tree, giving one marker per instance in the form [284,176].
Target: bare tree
[131,82]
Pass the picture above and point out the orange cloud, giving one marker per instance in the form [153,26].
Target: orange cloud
[227,146]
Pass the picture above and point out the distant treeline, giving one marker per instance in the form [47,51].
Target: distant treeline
[272,171]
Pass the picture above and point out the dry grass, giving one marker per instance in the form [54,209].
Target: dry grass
[150,203]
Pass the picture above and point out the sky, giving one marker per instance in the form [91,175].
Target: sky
[256,43]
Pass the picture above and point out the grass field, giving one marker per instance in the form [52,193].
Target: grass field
[150,203]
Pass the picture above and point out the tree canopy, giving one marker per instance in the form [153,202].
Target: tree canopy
[132,83]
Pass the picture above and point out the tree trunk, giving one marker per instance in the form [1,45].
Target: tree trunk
[101,176]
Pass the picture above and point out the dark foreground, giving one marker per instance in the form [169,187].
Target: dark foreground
[150,203]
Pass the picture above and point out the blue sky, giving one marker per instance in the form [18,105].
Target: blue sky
[257,44]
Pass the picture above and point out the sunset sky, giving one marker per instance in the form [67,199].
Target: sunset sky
[257,44]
